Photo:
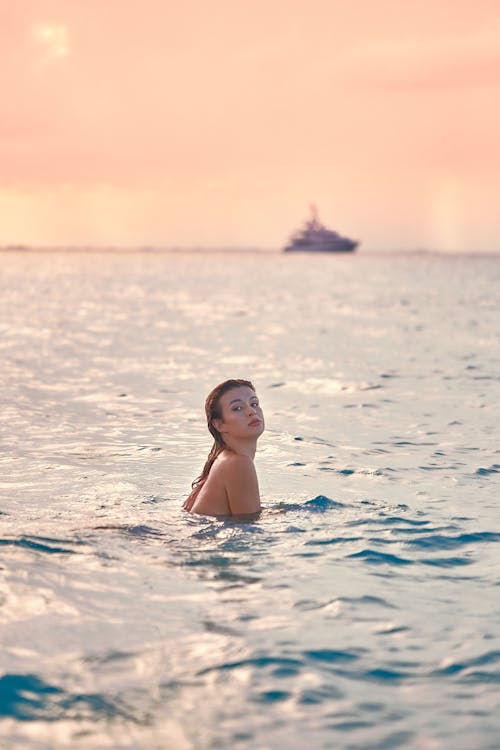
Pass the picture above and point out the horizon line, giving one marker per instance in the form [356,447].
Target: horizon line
[201,249]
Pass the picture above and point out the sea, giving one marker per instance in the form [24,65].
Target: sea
[360,611]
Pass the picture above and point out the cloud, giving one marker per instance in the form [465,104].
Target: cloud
[446,62]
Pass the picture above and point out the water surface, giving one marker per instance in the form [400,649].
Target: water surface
[361,611]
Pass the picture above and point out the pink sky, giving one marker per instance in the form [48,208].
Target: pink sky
[207,124]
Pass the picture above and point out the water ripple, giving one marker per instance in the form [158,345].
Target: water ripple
[378,558]
[27,697]
[41,544]
[282,666]
[483,472]
[439,541]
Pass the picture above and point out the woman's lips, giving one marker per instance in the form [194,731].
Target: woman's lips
[255,422]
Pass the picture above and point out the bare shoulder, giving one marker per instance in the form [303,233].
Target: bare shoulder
[235,467]
[235,461]
[227,462]
[240,481]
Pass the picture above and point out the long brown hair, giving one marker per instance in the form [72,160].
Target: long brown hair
[213,411]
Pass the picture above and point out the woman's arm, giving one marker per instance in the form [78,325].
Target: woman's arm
[241,485]
[189,501]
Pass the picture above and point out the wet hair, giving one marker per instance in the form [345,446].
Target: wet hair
[213,411]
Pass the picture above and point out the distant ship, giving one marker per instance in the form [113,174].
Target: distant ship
[315,237]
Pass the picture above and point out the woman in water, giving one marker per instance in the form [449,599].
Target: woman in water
[228,483]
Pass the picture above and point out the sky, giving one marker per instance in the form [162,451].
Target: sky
[215,124]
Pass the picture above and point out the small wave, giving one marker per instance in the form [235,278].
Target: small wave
[331,656]
[482,677]
[215,527]
[333,540]
[314,440]
[440,541]
[110,657]
[482,472]
[385,675]
[412,442]
[460,667]
[41,544]
[320,504]
[446,562]
[282,666]
[367,600]
[372,556]
[271,696]
[393,630]
[322,694]
[27,697]
[140,530]
[388,520]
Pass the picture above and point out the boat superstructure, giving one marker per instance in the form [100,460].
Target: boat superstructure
[315,237]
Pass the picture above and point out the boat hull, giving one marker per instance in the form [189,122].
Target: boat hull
[347,247]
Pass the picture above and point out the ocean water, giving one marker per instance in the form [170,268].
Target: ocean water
[360,612]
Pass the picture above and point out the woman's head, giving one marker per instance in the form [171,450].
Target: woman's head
[225,416]
[214,407]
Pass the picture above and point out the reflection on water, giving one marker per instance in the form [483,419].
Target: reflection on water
[358,611]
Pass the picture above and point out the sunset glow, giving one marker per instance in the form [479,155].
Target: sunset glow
[53,38]
[195,124]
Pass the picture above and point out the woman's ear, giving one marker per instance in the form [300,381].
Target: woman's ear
[217,423]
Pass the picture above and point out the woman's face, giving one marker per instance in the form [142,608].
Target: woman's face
[242,416]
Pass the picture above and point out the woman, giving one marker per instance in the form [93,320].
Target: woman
[228,483]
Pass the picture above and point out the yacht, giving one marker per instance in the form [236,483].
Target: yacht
[315,237]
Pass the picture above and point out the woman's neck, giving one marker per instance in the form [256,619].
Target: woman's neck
[243,447]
